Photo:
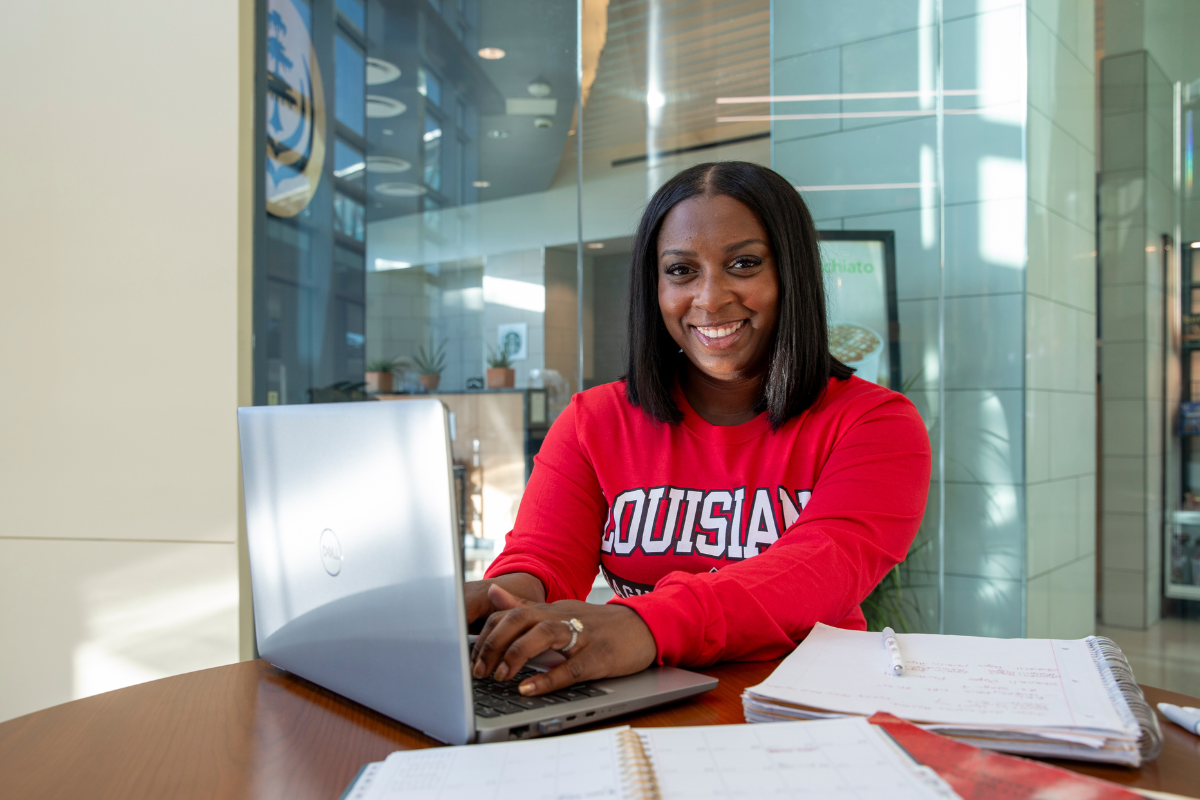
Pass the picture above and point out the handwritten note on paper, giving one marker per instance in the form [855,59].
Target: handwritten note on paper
[962,680]
[831,758]
[579,767]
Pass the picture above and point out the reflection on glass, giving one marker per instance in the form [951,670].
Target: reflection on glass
[431,152]
[351,78]
[348,217]
[348,162]
[355,12]
[429,86]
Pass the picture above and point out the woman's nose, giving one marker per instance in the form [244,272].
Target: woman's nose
[713,291]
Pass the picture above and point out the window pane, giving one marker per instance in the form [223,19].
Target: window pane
[351,80]
[348,162]
[432,152]
[354,11]
[428,85]
[349,217]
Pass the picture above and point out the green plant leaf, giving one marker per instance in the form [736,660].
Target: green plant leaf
[432,361]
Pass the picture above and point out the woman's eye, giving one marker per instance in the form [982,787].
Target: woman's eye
[678,269]
[746,263]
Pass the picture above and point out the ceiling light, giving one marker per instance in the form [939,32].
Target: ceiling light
[481,184]
[387,164]
[655,99]
[380,71]
[1196,245]
[388,131]
[382,264]
[380,106]
[491,53]
[496,133]
[595,245]
[538,87]
[398,189]
[543,122]
[571,132]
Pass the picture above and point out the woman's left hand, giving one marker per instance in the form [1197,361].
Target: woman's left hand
[614,641]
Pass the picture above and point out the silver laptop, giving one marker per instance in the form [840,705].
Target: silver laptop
[357,582]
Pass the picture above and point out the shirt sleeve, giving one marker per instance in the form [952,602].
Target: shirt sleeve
[559,523]
[866,506]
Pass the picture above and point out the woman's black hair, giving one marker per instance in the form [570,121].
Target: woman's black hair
[799,364]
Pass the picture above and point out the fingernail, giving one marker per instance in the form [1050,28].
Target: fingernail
[501,672]
[478,671]
[526,688]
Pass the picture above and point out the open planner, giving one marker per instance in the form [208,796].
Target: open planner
[1048,697]
[842,758]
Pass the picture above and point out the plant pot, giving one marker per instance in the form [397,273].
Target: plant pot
[501,377]
[379,382]
[430,382]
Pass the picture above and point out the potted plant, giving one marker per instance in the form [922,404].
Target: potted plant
[380,374]
[500,374]
[430,364]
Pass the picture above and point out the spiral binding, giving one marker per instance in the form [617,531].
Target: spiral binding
[1127,695]
[637,773]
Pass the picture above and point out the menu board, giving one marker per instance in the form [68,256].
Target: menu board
[860,290]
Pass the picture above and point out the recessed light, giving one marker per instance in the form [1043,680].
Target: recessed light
[383,264]
[655,99]
[543,122]
[387,164]
[1196,245]
[400,189]
[491,53]
[595,245]
[380,106]
[481,184]
[571,132]
[496,133]
[388,131]
[539,88]
[380,71]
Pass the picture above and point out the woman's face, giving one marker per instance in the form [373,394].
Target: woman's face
[718,289]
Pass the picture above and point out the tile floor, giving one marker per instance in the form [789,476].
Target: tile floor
[1166,656]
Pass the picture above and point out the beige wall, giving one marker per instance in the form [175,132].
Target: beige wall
[119,343]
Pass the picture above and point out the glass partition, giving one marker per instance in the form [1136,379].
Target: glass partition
[506,149]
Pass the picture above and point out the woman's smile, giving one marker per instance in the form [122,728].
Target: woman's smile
[721,335]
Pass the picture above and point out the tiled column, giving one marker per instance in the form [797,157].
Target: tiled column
[1060,323]
[1136,204]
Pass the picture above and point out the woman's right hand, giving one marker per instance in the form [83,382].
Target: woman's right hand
[519,584]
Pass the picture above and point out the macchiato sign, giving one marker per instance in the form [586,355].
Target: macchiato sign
[862,315]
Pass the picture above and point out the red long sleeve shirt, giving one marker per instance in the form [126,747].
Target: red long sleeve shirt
[730,542]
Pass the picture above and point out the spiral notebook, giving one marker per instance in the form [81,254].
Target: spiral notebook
[1044,697]
[831,758]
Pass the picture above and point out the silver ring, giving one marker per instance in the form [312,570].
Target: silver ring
[576,626]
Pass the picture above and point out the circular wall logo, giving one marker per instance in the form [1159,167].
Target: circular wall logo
[295,108]
[331,552]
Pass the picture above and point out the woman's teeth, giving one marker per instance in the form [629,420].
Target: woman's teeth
[721,332]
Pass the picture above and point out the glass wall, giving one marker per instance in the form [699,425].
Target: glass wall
[508,149]
[310,307]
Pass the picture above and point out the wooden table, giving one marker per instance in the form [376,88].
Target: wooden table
[251,730]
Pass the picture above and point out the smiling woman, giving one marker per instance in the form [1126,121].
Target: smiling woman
[736,488]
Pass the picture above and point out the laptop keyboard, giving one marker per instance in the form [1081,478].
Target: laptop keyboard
[494,699]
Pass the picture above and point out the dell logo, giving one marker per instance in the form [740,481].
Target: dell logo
[331,552]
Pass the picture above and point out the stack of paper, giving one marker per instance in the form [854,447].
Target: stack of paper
[1046,697]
